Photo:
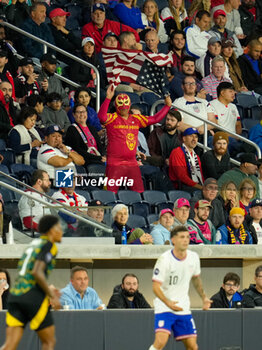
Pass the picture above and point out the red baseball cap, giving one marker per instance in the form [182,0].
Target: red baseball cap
[219,13]
[164,211]
[58,12]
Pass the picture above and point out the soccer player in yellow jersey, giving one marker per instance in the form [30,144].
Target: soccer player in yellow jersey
[31,296]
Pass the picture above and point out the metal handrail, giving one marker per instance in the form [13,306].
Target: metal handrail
[62,207]
[206,121]
[73,57]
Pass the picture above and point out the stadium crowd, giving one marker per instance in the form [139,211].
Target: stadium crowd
[214,70]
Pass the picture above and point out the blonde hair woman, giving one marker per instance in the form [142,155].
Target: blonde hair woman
[174,16]
[229,197]
[150,19]
[196,6]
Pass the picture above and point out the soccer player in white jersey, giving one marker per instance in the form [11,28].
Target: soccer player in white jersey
[171,278]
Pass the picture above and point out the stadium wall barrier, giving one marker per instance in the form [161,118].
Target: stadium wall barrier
[238,329]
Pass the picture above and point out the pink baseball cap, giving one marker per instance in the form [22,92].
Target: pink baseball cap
[164,211]
[181,202]
[58,12]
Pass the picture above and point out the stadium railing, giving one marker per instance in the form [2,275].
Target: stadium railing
[73,57]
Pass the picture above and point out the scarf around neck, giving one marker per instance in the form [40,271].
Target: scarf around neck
[193,165]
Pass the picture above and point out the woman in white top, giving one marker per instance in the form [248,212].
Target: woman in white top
[174,16]
[24,139]
[150,19]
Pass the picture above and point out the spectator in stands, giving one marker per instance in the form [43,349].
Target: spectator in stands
[24,139]
[64,38]
[83,138]
[53,112]
[251,66]
[233,231]
[216,161]
[37,102]
[128,14]
[247,192]
[35,25]
[4,288]
[174,16]
[247,169]
[81,74]
[232,66]
[54,154]
[163,139]
[216,77]
[161,231]
[204,63]
[253,221]
[255,135]
[100,26]
[230,7]
[204,227]
[228,296]
[219,30]
[134,236]
[152,41]
[122,143]
[195,7]
[181,210]
[26,82]
[250,16]
[185,169]
[48,63]
[20,13]
[127,296]
[193,105]
[227,114]
[77,295]
[187,69]
[151,20]
[68,196]
[229,197]
[253,295]
[30,210]
[6,227]
[7,109]
[96,210]
[5,75]
[177,49]
[197,36]
[209,193]
[83,96]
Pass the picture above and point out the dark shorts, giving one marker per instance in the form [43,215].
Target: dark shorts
[182,326]
[31,307]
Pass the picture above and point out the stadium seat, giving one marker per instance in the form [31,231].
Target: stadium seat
[107,197]
[7,194]
[149,97]
[144,107]
[140,208]
[137,221]
[256,113]
[84,194]
[4,169]
[128,197]
[246,101]
[9,156]
[157,200]
[80,170]
[247,124]
[2,144]
[108,219]
[96,169]
[151,218]
[22,172]
[174,195]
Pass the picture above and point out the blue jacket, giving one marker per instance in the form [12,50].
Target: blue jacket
[31,47]
[255,135]
[222,236]
[92,118]
[131,17]
[160,234]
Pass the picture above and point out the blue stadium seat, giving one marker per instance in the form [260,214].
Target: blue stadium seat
[140,208]
[151,218]
[107,197]
[4,169]
[22,172]
[157,200]
[108,219]
[80,170]
[247,124]
[96,169]
[256,112]
[2,144]
[145,108]
[128,197]
[246,101]
[9,156]
[149,97]
[7,194]
[174,195]
[84,194]
[137,221]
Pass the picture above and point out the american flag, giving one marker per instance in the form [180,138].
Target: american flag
[131,66]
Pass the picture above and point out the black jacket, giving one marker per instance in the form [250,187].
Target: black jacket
[248,223]
[119,301]
[252,80]
[247,20]
[220,300]
[74,140]
[212,167]
[252,297]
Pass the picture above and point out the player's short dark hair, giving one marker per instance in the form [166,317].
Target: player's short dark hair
[177,230]
[231,276]
[129,275]
[37,174]
[76,269]
[258,270]
[223,86]
[188,58]
[33,100]
[46,223]
[175,113]
[202,13]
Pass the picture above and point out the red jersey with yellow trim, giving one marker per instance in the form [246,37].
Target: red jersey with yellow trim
[122,133]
